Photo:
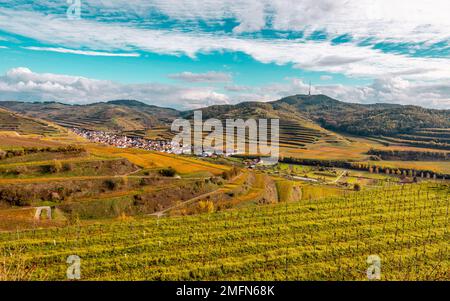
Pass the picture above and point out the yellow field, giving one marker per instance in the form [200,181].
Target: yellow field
[326,151]
[45,162]
[147,159]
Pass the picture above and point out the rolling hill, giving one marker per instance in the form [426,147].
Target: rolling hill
[128,116]
[13,122]
[304,119]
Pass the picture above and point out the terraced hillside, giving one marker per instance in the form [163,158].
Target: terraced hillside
[296,130]
[294,135]
[12,122]
[406,227]
[438,138]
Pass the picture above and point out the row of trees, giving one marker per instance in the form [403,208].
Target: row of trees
[408,155]
[366,167]
[34,150]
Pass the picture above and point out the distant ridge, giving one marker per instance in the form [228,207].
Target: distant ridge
[311,117]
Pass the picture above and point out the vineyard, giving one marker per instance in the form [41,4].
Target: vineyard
[326,239]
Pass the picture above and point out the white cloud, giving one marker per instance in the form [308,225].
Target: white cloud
[347,59]
[401,20]
[82,52]
[207,77]
[398,78]
[25,85]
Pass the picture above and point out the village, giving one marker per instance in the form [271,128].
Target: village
[125,141]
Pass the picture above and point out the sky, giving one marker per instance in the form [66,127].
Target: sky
[188,54]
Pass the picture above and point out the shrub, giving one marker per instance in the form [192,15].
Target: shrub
[168,172]
[67,166]
[110,184]
[227,175]
[55,167]
[356,187]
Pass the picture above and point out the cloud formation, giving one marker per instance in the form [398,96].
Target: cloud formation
[348,59]
[118,28]
[25,85]
[401,20]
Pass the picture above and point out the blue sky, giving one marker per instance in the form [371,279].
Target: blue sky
[187,54]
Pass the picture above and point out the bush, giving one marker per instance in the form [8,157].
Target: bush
[356,187]
[168,172]
[14,197]
[67,167]
[55,167]
[110,184]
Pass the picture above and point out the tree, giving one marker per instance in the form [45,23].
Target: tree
[168,172]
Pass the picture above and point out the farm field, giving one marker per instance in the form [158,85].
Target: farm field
[147,159]
[326,239]
[435,166]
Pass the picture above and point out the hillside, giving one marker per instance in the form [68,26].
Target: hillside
[128,116]
[304,119]
[391,123]
[369,119]
[12,122]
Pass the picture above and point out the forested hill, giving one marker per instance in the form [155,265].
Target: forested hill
[365,119]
